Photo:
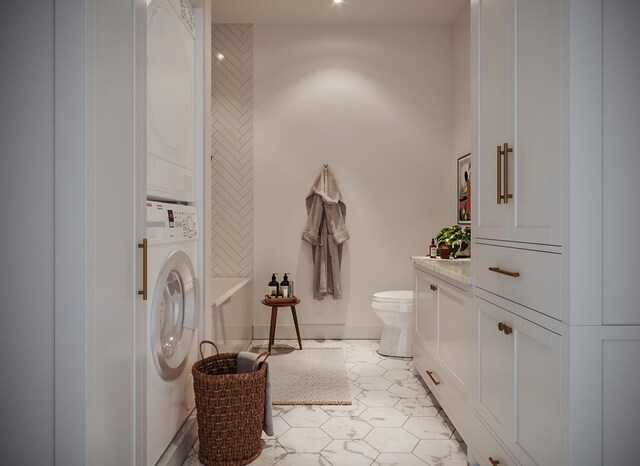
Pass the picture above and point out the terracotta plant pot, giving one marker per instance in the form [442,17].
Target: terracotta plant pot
[444,252]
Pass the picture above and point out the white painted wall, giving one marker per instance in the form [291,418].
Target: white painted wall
[374,102]
[461,83]
[27,246]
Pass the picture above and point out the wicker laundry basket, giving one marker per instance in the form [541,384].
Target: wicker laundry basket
[230,409]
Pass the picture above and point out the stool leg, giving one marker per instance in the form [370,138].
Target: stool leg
[295,321]
[272,329]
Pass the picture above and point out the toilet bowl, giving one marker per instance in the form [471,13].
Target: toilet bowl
[395,308]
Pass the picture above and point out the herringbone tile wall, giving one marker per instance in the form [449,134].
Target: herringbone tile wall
[232,150]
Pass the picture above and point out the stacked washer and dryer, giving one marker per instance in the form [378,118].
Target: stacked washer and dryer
[172,223]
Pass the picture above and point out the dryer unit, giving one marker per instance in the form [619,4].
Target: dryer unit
[170,101]
[172,319]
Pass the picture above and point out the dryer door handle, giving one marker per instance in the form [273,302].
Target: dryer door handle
[143,246]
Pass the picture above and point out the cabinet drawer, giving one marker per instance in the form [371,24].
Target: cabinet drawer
[538,286]
[487,446]
[440,385]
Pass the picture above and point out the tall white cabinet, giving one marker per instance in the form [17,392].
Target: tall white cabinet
[554,311]
[556,150]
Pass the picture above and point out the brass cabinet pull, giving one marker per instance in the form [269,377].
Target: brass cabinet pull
[504,272]
[504,328]
[433,287]
[430,374]
[498,184]
[143,246]
[506,151]
[494,462]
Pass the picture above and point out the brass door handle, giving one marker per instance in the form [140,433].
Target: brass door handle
[143,246]
[504,272]
[430,374]
[503,151]
[433,287]
[494,462]
[504,328]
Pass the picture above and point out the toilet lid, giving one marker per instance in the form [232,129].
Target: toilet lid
[393,296]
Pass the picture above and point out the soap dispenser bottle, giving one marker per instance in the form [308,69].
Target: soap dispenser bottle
[433,249]
[284,286]
[274,288]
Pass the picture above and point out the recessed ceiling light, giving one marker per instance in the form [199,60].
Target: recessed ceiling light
[337,1]
[219,56]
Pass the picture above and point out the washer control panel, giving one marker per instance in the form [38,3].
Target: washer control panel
[171,221]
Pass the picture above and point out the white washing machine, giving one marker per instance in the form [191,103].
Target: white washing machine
[172,315]
[170,101]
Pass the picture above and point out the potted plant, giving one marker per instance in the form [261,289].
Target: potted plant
[456,239]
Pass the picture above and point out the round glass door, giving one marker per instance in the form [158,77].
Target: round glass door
[174,315]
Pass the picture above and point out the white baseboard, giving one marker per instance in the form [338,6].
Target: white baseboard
[330,332]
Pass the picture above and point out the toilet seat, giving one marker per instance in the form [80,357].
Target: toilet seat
[393,296]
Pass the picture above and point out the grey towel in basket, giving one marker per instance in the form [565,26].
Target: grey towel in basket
[245,362]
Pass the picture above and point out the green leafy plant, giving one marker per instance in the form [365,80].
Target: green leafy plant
[456,237]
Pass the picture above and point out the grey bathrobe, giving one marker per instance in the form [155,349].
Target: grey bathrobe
[326,231]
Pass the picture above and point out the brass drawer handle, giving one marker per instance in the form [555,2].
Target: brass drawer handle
[504,272]
[505,328]
[494,462]
[430,374]
[143,246]
[433,287]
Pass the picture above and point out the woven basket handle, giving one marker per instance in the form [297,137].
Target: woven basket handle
[211,343]
[257,361]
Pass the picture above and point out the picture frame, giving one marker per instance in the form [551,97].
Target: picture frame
[463,190]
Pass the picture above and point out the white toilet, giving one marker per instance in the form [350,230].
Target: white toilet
[395,308]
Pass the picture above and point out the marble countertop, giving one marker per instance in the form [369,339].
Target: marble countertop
[456,269]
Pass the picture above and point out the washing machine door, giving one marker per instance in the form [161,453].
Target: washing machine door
[174,315]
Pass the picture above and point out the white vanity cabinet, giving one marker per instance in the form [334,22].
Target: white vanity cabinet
[442,338]
[519,107]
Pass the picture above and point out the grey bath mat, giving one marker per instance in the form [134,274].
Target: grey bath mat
[311,376]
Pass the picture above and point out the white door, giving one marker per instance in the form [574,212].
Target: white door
[520,103]
[495,367]
[537,432]
[454,333]
[426,305]
[494,114]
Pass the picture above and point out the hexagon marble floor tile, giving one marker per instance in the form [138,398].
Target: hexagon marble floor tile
[393,420]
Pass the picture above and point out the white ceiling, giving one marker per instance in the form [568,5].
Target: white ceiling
[326,12]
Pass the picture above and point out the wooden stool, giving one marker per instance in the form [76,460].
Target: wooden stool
[274,318]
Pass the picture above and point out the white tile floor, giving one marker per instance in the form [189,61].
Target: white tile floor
[393,420]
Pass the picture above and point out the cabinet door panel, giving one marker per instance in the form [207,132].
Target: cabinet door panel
[495,368]
[453,316]
[537,431]
[426,311]
[621,410]
[535,215]
[495,113]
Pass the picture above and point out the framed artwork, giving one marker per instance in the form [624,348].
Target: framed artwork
[464,190]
